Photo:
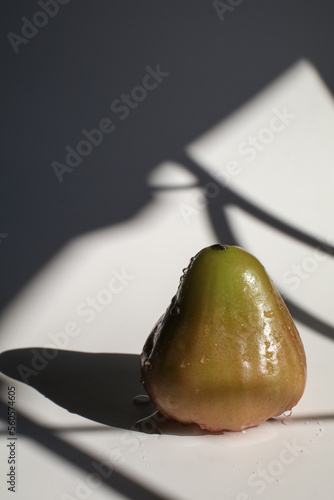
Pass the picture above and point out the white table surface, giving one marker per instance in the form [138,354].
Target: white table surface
[289,175]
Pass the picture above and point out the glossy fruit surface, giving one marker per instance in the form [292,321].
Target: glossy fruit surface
[226,354]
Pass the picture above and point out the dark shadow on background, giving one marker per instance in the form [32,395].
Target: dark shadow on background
[110,476]
[97,386]
[217,213]
[65,78]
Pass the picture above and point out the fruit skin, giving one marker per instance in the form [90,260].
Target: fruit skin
[226,354]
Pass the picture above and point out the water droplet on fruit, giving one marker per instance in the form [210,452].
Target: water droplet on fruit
[245,357]
[268,314]
[204,359]
[174,310]
[219,247]
[141,399]
[147,362]
[287,413]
